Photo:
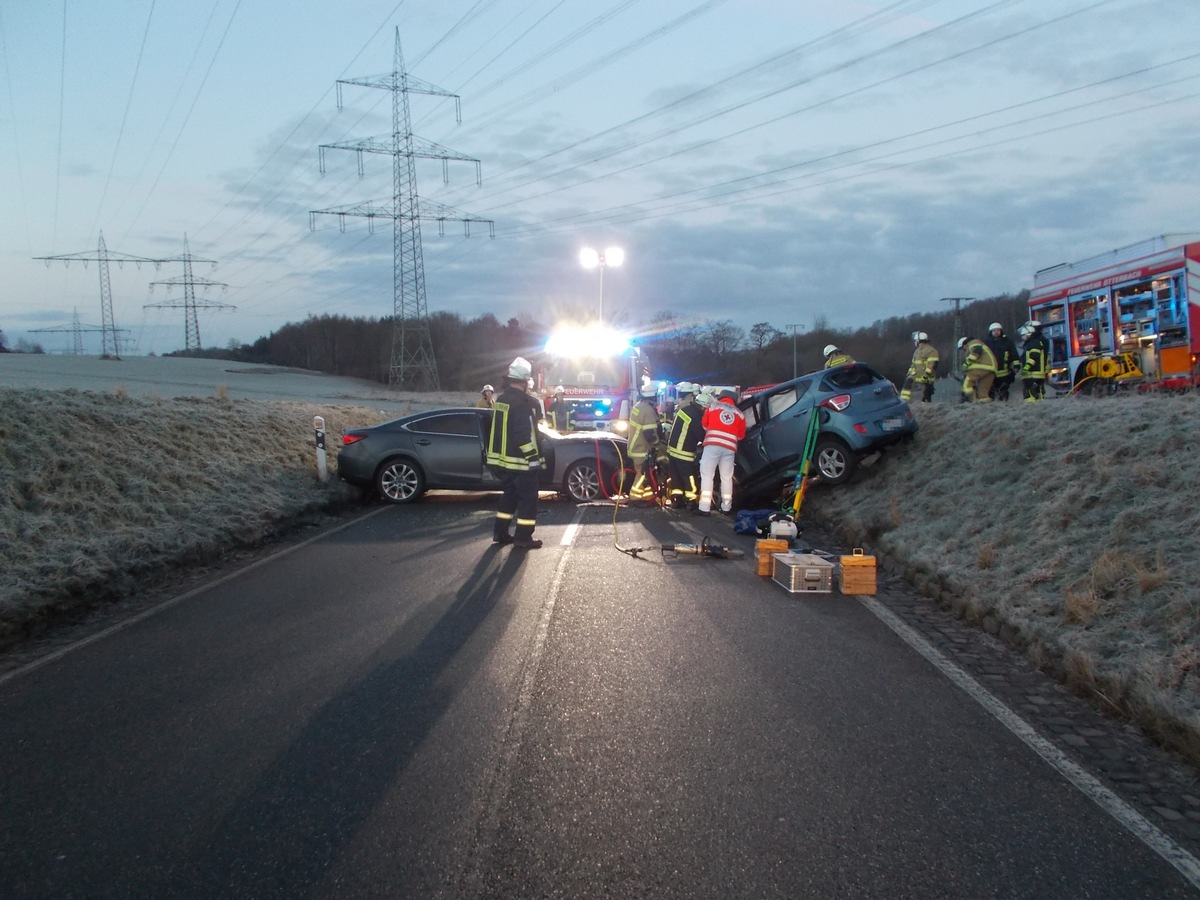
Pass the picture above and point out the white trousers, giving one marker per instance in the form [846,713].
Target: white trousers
[712,460]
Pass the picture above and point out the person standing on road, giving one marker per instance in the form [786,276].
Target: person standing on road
[514,458]
[979,368]
[922,371]
[1034,365]
[834,356]
[683,445]
[486,400]
[724,425]
[1005,351]
[644,422]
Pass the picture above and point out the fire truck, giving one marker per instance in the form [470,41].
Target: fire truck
[601,372]
[1130,316]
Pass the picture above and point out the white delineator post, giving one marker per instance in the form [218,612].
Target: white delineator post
[322,467]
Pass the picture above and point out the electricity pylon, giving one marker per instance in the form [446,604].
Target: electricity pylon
[412,364]
[189,303]
[76,329]
[108,341]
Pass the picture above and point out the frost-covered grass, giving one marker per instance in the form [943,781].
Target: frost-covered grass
[1070,527]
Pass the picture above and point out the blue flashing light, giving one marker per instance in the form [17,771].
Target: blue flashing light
[606,401]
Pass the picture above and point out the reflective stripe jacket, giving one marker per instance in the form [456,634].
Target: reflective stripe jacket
[979,357]
[512,443]
[559,415]
[724,425]
[1033,358]
[924,363]
[686,432]
[643,428]
[838,359]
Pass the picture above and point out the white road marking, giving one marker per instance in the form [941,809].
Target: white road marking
[1087,784]
[510,743]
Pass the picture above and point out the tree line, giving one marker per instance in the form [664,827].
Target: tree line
[471,352]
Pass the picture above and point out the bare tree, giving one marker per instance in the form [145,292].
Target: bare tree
[762,334]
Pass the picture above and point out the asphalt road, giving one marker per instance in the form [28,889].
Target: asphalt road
[397,708]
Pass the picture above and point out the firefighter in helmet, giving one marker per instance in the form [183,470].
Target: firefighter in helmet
[1035,355]
[514,458]
[834,356]
[559,414]
[979,370]
[922,370]
[486,398]
[1007,360]
[642,449]
[683,446]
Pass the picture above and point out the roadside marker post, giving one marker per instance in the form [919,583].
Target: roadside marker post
[322,466]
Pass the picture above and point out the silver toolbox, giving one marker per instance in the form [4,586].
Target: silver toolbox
[802,573]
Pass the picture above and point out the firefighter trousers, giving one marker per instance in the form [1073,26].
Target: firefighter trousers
[519,501]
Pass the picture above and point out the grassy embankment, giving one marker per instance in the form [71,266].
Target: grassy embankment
[1069,528]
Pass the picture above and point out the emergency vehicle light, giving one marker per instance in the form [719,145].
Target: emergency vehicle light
[587,341]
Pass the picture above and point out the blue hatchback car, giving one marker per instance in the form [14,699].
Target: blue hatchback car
[860,413]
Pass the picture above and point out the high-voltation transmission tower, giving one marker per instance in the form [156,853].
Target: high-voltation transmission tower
[102,255]
[189,303]
[412,365]
[76,329]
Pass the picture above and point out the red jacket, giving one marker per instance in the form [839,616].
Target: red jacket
[724,425]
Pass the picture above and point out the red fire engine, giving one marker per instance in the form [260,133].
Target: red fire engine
[601,372]
[1131,315]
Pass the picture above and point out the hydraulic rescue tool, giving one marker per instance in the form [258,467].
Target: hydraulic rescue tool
[704,548]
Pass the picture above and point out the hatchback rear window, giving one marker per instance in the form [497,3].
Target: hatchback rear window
[847,377]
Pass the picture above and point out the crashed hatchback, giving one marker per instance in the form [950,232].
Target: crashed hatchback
[860,414]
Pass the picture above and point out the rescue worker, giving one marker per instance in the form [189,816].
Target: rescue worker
[1007,361]
[683,445]
[979,370]
[559,414]
[922,370]
[834,356]
[1035,354]
[724,425]
[541,407]
[513,457]
[486,400]
[642,448]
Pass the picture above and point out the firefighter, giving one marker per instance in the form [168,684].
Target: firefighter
[979,367]
[1007,361]
[644,422]
[486,400]
[835,357]
[514,458]
[1034,361]
[683,446]
[922,370]
[559,414]
[724,425]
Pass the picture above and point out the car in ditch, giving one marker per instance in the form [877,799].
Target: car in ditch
[860,414]
[445,449]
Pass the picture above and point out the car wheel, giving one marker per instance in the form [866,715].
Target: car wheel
[582,482]
[834,462]
[399,481]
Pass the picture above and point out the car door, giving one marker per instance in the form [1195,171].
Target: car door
[775,440]
[450,447]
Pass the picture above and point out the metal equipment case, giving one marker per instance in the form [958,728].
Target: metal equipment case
[801,573]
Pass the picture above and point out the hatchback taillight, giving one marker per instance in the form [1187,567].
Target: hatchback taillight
[840,403]
[348,439]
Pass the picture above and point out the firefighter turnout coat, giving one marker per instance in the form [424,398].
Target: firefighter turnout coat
[979,365]
[643,430]
[512,443]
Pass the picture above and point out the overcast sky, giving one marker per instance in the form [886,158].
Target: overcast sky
[757,160]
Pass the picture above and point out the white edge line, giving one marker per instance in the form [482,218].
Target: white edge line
[167,604]
[1128,817]
[515,732]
